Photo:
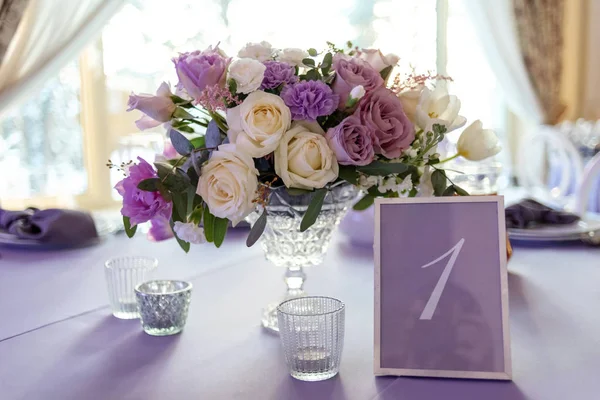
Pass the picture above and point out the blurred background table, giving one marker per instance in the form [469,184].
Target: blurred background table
[58,339]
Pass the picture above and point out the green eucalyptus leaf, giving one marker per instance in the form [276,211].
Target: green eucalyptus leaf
[380,168]
[149,185]
[438,181]
[179,207]
[349,174]
[180,142]
[220,230]
[385,73]
[312,52]
[450,191]
[308,61]
[364,203]
[209,223]
[129,230]
[460,191]
[313,75]
[257,229]
[198,142]
[313,210]
[181,113]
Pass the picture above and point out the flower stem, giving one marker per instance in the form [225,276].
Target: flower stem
[449,158]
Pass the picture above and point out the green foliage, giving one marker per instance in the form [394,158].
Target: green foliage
[385,73]
[220,230]
[149,185]
[129,230]
[209,223]
[312,52]
[181,144]
[438,181]
[174,179]
[198,142]
[182,243]
[232,85]
[309,62]
[380,168]
[460,191]
[364,203]
[312,75]
[349,174]
[257,229]
[181,102]
[298,192]
[326,64]
[181,113]
[313,210]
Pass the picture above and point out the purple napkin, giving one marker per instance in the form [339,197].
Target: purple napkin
[529,213]
[56,226]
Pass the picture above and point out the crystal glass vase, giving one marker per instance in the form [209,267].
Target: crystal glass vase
[286,246]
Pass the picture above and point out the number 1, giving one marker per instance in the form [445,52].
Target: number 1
[441,283]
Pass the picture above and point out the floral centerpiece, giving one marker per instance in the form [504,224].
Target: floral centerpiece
[304,120]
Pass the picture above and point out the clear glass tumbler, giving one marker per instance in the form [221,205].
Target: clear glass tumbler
[123,274]
[312,334]
[163,306]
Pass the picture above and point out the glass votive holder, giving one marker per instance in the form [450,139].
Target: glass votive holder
[312,334]
[123,274]
[163,306]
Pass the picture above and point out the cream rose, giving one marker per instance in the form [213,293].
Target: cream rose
[228,183]
[476,143]
[292,56]
[304,160]
[256,125]
[262,51]
[377,60]
[438,107]
[247,73]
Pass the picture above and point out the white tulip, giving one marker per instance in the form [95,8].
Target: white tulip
[410,101]
[476,143]
[292,56]
[304,160]
[262,51]
[438,107]
[228,183]
[189,232]
[257,125]
[247,73]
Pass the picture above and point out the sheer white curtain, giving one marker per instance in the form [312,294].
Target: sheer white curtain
[495,25]
[51,33]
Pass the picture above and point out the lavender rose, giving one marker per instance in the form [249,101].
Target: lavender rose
[351,142]
[383,115]
[308,100]
[352,72]
[278,73]
[197,70]
[139,205]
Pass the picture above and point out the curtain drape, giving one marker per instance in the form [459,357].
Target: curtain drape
[540,31]
[495,25]
[50,34]
[11,12]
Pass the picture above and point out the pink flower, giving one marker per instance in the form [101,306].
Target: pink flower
[377,60]
[157,109]
[160,229]
[352,72]
[351,142]
[382,114]
[199,69]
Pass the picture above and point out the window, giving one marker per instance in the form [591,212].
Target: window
[60,155]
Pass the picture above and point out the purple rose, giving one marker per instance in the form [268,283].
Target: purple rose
[278,73]
[158,109]
[308,100]
[351,142]
[351,72]
[382,114]
[139,205]
[197,70]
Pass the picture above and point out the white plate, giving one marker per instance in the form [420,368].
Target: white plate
[589,223]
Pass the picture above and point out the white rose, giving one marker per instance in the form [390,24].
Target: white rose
[377,60]
[476,143]
[247,73]
[438,107]
[262,51]
[256,125]
[410,101]
[228,183]
[304,160]
[189,232]
[292,56]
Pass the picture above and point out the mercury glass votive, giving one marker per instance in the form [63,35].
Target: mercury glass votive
[163,306]
[123,274]
[312,334]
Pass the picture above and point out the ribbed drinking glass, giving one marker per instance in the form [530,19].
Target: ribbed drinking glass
[123,274]
[312,334]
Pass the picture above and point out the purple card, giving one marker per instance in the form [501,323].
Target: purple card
[441,292]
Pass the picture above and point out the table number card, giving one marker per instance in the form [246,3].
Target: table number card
[441,292]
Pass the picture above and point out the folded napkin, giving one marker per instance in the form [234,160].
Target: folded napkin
[53,225]
[529,213]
